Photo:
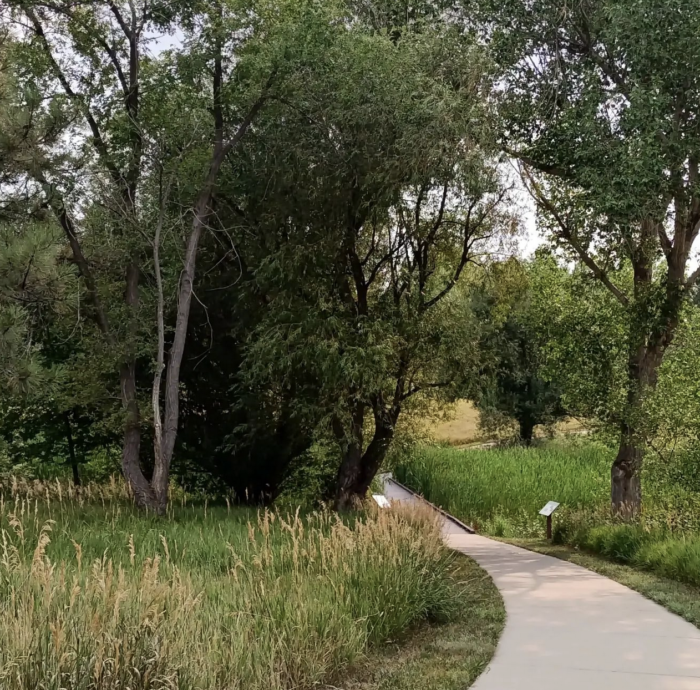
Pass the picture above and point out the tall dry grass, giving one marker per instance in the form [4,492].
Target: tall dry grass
[210,599]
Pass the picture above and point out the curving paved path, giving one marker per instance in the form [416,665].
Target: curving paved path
[568,628]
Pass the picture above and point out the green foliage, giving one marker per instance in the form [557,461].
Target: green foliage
[582,332]
[674,408]
[511,384]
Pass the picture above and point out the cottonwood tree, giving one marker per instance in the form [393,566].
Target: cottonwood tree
[373,197]
[599,102]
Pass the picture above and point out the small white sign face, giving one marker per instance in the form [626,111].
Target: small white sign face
[549,508]
[382,501]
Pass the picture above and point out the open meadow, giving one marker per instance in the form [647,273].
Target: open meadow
[96,595]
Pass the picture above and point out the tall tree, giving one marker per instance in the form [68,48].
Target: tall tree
[512,384]
[599,102]
[125,114]
[372,199]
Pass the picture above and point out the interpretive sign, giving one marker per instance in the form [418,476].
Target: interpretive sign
[547,512]
[382,501]
[549,508]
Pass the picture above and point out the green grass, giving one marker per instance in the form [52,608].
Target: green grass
[445,657]
[96,596]
[500,492]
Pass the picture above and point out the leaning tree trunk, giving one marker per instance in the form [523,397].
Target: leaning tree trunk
[358,469]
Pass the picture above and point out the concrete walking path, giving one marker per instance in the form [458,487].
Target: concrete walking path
[573,629]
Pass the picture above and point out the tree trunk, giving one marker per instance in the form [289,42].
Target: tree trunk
[166,445]
[626,491]
[351,464]
[359,469]
[642,375]
[71,450]
[527,428]
[384,426]
[131,466]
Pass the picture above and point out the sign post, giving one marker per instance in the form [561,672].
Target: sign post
[547,511]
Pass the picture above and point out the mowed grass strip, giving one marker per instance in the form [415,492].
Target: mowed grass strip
[441,657]
[98,597]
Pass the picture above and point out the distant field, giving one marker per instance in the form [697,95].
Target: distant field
[463,428]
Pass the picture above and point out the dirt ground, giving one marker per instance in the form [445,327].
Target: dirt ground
[463,428]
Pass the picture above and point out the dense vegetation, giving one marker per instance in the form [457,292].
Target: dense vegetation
[249,247]
[248,241]
[96,596]
[502,491]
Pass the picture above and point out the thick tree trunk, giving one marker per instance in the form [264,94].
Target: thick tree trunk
[626,487]
[347,496]
[358,469]
[626,491]
[527,428]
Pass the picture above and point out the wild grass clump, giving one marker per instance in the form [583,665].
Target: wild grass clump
[100,598]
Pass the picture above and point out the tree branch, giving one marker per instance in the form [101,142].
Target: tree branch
[120,20]
[554,170]
[98,141]
[566,234]
[417,389]
[693,278]
[59,209]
